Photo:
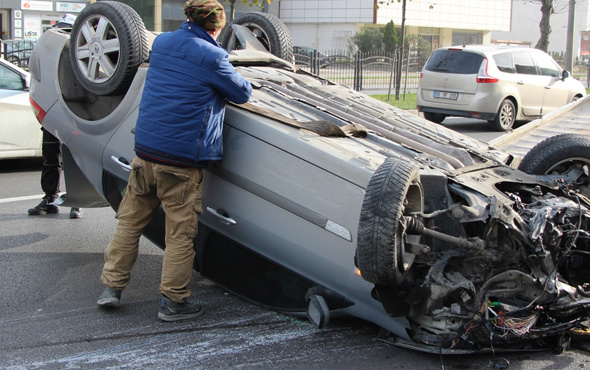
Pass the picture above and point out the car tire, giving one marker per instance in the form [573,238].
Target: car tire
[434,117]
[558,154]
[394,190]
[269,30]
[506,116]
[106,65]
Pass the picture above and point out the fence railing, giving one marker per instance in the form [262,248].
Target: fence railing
[17,52]
[376,70]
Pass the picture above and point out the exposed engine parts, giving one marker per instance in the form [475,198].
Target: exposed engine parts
[521,274]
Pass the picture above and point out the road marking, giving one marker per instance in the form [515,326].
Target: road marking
[18,199]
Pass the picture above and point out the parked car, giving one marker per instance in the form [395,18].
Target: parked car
[305,56]
[329,202]
[500,84]
[20,132]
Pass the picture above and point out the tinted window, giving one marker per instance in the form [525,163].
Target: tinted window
[453,61]
[546,65]
[504,62]
[523,62]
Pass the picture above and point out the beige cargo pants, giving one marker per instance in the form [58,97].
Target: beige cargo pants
[178,190]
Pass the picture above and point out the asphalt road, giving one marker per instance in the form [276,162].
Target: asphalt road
[49,266]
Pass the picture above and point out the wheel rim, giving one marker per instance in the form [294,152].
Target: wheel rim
[507,115]
[97,49]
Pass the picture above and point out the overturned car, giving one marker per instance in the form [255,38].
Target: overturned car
[330,203]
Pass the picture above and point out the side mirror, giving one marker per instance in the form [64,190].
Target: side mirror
[565,74]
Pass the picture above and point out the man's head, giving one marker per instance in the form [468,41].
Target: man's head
[208,14]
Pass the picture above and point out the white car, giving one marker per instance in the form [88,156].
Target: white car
[20,132]
[500,84]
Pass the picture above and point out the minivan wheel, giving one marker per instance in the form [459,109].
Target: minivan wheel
[434,117]
[393,191]
[557,155]
[268,29]
[506,116]
[107,44]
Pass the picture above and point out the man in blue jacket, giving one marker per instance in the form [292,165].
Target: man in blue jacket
[178,131]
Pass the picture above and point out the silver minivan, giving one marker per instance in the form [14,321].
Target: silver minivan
[500,84]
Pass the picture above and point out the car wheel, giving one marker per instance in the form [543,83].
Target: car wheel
[434,117]
[107,45]
[268,29]
[576,98]
[557,155]
[506,116]
[393,191]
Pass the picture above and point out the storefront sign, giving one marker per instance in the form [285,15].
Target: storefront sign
[36,5]
[69,7]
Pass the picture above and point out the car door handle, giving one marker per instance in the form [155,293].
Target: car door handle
[122,162]
[520,82]
[222,216]
[547,87]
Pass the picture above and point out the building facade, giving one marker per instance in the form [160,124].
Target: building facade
[328,24]
[24,19]
[325,24]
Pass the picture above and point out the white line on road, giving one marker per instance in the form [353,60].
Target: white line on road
[18,199]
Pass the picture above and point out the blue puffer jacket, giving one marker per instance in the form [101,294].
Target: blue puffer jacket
[183,104]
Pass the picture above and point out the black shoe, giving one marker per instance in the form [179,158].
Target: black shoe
[109,298]
[173,311]
[76,213]
[43,208]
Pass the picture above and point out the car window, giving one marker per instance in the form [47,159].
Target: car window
[504,62]
[454,61]
[523,62]
[10,80]
[546,65]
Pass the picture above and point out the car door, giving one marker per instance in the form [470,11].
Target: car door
[528,84]
[555,92]
[20,132]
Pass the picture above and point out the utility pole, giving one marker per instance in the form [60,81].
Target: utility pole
[569,46]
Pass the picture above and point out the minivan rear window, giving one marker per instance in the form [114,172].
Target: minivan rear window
[454,61]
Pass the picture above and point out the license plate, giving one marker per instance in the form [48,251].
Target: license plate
[446,95]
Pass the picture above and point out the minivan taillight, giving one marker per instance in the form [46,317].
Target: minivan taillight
[482,76]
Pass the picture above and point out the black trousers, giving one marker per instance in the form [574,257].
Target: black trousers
[51,173]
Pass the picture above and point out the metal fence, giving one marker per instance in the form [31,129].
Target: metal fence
[17,52]
[375,70]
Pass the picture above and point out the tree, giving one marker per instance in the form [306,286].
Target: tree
[548,7]
[390,39]
[368,39]
[232,5]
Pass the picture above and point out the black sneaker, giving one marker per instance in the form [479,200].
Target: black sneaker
[76,213]
[43,208]
[173,311]
[109,298]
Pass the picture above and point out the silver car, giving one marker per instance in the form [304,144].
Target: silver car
[330,203]
[500,84]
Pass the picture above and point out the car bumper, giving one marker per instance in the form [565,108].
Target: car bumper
[457,113]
